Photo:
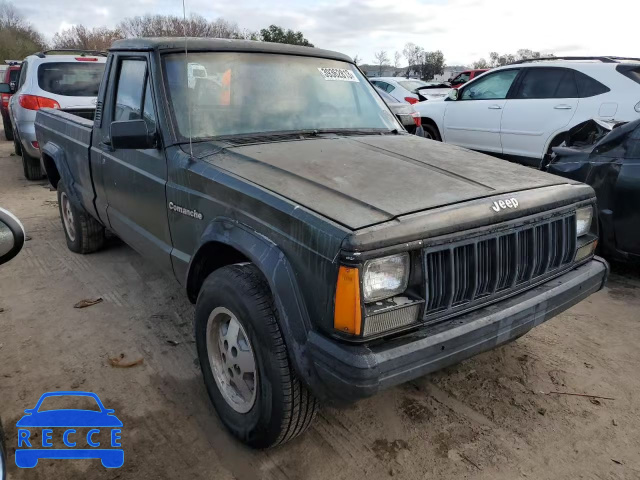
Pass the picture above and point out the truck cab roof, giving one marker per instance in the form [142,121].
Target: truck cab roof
[221,44]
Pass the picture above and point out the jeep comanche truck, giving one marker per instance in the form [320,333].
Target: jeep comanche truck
[330,254]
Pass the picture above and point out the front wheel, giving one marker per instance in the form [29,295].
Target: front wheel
[244,360]
[431,132]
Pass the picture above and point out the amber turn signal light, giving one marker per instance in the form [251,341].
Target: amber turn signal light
[347,312]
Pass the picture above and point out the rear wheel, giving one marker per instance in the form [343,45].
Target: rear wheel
[8,130]
[31,166]
[244,360]
[83,233]
[431,132]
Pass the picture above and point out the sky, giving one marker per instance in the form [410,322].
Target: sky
[464,30]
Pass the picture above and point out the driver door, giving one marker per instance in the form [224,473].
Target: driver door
[473,121]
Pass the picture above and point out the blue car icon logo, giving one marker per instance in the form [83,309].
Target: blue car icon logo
[71,424]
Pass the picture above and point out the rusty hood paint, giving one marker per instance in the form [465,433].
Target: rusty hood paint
[359,181]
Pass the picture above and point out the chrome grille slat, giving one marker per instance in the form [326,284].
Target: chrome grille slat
[474,271]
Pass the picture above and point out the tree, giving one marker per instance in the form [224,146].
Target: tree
[81,37]
[174,26]
[381,60]
[357,60]
[415,56]
[482,63]
[18,38]
[433,64]
[396,59]
[276,34]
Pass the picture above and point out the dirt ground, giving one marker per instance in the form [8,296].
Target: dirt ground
[491,417]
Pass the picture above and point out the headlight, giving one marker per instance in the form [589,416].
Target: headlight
[583,220]
[385,277]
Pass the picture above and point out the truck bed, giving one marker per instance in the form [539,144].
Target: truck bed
[56,129]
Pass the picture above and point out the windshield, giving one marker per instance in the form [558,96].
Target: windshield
[245,93]
[81,79]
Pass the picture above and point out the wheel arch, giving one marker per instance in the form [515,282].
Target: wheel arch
[55,165]
[233,242]
[429,121]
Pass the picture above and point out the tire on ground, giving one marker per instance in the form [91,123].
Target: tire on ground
[8,131]
[88,234]
[283,407]
[31,166]
[431,132]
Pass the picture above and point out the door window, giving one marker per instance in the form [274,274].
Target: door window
[548,83]
[462,78]
[490,87]
[134,98]
[130,91]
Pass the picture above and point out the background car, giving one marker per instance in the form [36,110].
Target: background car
[464,77]
[410,90]
[608,159]
[520,111]
[404,112]
[9,76]
[56,79]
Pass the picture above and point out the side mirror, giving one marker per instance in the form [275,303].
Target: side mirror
[453,94]
[5,88]
[12,236]
[131,134]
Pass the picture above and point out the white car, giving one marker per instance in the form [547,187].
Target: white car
[56,80]
[411,90]
[520,111]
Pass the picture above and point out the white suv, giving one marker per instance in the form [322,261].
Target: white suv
[53,79]
[521,110]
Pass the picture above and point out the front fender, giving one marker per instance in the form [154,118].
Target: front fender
[294,321]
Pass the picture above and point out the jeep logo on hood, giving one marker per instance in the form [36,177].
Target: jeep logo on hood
[504,204]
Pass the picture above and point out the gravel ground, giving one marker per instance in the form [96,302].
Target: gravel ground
[491,417]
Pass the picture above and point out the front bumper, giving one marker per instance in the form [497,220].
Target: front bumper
[350,372]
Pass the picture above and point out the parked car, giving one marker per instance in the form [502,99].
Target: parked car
[404,112]
[62,79]
[330,255]
[410,90]
[520,111]
[463,77]
[608,159]
[10,77]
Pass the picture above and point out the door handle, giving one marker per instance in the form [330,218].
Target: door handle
[495,107]
[563,107]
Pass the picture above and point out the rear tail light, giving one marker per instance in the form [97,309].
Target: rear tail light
[5,99]
[411,100]
[35,144]
[417,119]
[86,59]
[33,102]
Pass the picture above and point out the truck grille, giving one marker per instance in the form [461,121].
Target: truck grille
[478,270]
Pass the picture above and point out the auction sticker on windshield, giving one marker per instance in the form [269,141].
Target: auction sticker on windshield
[338,74]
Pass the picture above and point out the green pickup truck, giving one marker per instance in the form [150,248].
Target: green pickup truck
[329,253]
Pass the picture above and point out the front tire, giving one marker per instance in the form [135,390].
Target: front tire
[31,166]
[263,404]
[431,132]
[84,233]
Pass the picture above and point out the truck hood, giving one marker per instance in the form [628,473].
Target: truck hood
[359,181]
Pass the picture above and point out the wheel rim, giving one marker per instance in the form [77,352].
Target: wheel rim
[67,216]
[231,359]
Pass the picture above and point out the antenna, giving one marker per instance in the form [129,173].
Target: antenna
[186,59]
